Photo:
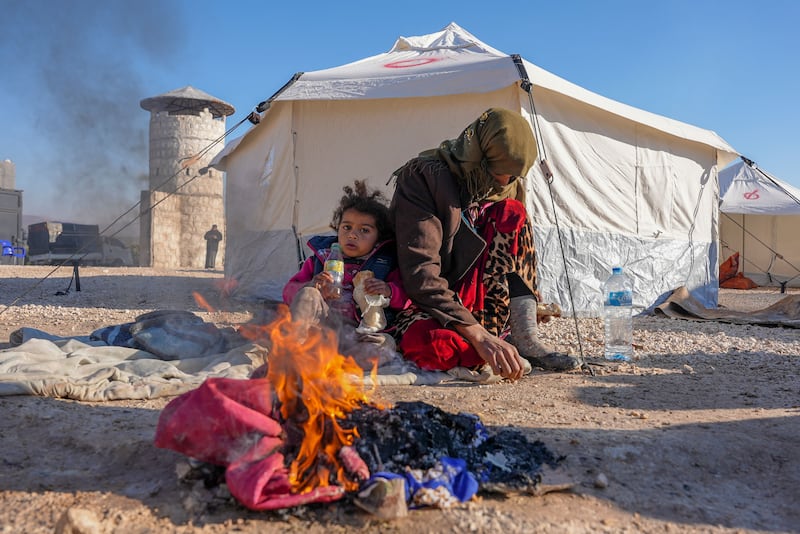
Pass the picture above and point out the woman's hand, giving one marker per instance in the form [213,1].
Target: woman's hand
[376,286]
[500,355]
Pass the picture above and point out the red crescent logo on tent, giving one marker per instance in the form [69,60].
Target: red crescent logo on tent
[752,195]
[406,63]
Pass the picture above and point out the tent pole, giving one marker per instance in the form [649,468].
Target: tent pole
[744,237]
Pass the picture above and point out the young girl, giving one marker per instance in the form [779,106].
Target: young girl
[364,235]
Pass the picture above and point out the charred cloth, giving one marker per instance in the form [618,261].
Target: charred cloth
[272,461]
[416,435]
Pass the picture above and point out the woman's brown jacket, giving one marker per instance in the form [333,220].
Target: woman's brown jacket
[435,244]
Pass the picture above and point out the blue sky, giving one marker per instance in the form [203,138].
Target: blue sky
[73,72]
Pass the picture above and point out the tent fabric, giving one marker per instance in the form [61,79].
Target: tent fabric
[630,187]
[454,61]
[681,305]
[747,189]
[759,220]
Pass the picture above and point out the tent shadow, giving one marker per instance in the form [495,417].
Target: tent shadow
[113,452]
[657,324]
[737,474]
[703,387]
[99,291]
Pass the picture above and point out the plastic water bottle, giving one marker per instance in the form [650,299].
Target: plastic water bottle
[334,264]
[617,317]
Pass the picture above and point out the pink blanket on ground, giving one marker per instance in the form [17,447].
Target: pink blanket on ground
[230,422]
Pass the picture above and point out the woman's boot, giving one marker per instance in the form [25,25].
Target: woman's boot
[524,336]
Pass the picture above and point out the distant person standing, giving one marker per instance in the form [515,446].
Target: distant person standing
[212,237]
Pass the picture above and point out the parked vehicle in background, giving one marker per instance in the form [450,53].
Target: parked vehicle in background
[52,243]
[115,253]
[11,216]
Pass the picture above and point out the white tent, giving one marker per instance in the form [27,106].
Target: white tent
[630,187]
[760,220]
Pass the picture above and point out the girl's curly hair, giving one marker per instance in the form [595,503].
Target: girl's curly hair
[371,202]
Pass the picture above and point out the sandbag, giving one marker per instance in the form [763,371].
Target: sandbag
[729,268]
[738,281]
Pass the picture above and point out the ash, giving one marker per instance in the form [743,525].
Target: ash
[414,435]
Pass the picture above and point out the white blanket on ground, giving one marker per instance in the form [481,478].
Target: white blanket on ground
[76,370]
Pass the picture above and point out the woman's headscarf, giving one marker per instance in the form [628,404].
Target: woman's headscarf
[500,141]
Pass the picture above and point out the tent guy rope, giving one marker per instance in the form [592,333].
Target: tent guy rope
[527,86]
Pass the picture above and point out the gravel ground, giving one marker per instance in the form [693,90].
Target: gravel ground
[700,434]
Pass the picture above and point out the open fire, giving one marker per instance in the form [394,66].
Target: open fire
[311,432]
[316,388]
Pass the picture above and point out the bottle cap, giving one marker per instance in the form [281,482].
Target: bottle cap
[616,270]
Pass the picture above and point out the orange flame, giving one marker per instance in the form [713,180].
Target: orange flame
[202,302]
[316,387]
[225,286]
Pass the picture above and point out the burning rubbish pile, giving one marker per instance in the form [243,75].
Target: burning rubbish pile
[415,436]
[309,432]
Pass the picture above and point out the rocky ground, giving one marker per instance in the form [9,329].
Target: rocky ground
[700,434]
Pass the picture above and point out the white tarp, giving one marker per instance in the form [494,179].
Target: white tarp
[760,220]
[631,188]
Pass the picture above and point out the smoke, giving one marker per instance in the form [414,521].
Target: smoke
[79,69]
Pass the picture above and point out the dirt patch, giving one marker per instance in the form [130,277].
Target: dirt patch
[699,435]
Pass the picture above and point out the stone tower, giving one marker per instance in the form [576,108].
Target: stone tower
[184,197]
[8,175]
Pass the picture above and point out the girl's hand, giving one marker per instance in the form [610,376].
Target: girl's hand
[324,283]
[376,286]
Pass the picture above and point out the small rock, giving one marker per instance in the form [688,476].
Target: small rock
[182,469]
[78,521]
[192,504]
[601,481]
[384,498]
